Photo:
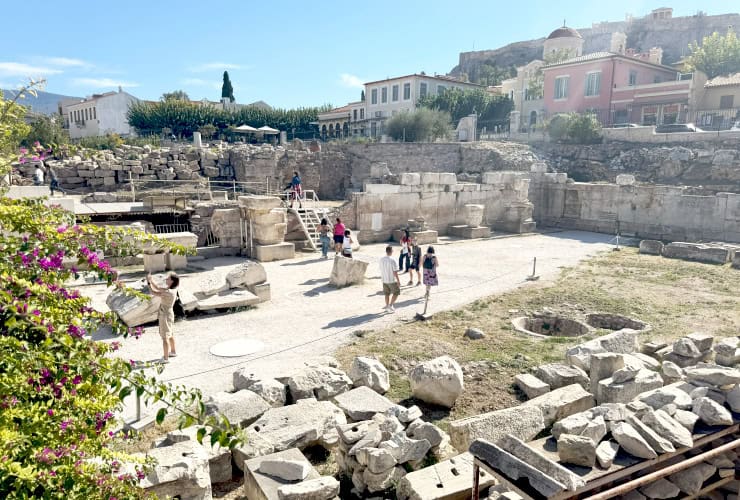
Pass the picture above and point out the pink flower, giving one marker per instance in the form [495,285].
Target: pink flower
[50,412]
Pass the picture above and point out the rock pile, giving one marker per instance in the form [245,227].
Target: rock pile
[642,405]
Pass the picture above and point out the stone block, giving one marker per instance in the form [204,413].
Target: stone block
[174,262]
[691,480]
[710,412]
[260,203]
[362,403]
[447,178]
[181,470]
[667,427]
[132,310]
[260,486]
[323,488]
[451,479]
[219,459]
[606,452]
[346,272]
[674,394]
[469,232]
[560,403]
[369,372]
[531,385]
[612,392]
[625,180]
[428,178]
[410,179]
[437,381]
[241,407]
[246,274]
[657,442]
[269,234]
[651,247]
[662,488]
[278,251]
[155,262]
[713,375]
[576,450]
[286,469]
[558,375]
[631,441]
[603,365]
[538,460]
[274,216]
[622,341]
[262,291]
[696,252]
[524,422]
[227,300]
[514,468]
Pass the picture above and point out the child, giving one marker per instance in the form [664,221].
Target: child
[166,313]
[347,244]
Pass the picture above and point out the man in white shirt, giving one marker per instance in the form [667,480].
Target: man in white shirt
[38,176]
[391,281]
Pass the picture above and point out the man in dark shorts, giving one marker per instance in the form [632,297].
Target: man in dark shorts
[391,281]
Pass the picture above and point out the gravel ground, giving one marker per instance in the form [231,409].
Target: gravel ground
[307,318]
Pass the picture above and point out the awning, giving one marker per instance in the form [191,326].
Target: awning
[268,130]
[245,129]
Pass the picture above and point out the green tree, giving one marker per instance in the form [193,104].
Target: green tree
[46,130]
[227,91]
[489,74]
[362,95]
[175,95]
[717,55]
[13,127]
[459,103]
[207,130]
[577,128]
[421,125]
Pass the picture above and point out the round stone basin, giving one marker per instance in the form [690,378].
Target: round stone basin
[550,326]
[608,321]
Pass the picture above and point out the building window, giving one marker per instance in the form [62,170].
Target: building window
[373,129]
[561,87]
[406,91]
[374,96]
[95,114]
[384,95]
[726,101]
[394,93]
[362,113]
[422,89]
[354,115]
[85,114]
[441,89]
[670,113]
[633,78]
[593,84]
[650,115]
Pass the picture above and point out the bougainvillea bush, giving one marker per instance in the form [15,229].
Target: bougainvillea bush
[59,389]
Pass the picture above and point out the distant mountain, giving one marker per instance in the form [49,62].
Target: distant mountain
[44,103]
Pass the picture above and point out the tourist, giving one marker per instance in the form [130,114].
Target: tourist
[430,265]
[324,229]
[38,176]
[391,281]
[338,236]
[415,263]
[295,190]
[404,257]
[166,314]
[347,244]
[54,182]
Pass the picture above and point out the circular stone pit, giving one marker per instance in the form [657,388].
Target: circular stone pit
[544,326]
[608,321]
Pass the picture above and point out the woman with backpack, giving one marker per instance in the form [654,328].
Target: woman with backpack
[430,265]
[324,230]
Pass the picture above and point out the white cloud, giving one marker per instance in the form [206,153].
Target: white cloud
[213,66]
[65,62]
[102,83]
[199,82]
[351,81]
[25,70]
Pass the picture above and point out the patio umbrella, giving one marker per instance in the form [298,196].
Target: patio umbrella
[244,129]
[268,130]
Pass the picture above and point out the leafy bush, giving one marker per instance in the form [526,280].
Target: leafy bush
[576,128]
[421,125]
[557,128]
[110,141]
[46,130]
[460,103]
[584,129]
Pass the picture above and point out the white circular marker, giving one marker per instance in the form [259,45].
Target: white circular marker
[236,347]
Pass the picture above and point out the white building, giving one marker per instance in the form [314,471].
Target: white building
[385,98]
[100,114]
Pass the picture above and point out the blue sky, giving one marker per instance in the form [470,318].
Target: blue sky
[289,53]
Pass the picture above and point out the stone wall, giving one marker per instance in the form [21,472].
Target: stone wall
[715,166]
[440,200]
[654,212]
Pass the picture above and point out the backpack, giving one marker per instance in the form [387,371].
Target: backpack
[177,307]
[428,262]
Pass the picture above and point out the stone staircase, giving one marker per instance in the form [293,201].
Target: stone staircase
[310,219]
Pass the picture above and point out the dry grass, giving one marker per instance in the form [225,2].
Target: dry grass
[675,297]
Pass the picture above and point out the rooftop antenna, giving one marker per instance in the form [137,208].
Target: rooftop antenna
[563,22]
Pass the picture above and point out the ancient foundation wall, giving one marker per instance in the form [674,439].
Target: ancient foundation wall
[655,212]
[440,200]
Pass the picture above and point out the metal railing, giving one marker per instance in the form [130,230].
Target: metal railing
[308,199]
[172,228]
[203,189]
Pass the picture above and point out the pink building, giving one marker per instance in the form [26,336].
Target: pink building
[615,87]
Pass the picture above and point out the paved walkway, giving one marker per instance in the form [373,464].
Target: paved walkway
[307,318]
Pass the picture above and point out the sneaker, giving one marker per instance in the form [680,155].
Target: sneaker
[164,361]
[391,309]
[173,354]
[418,284]
[410,283]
